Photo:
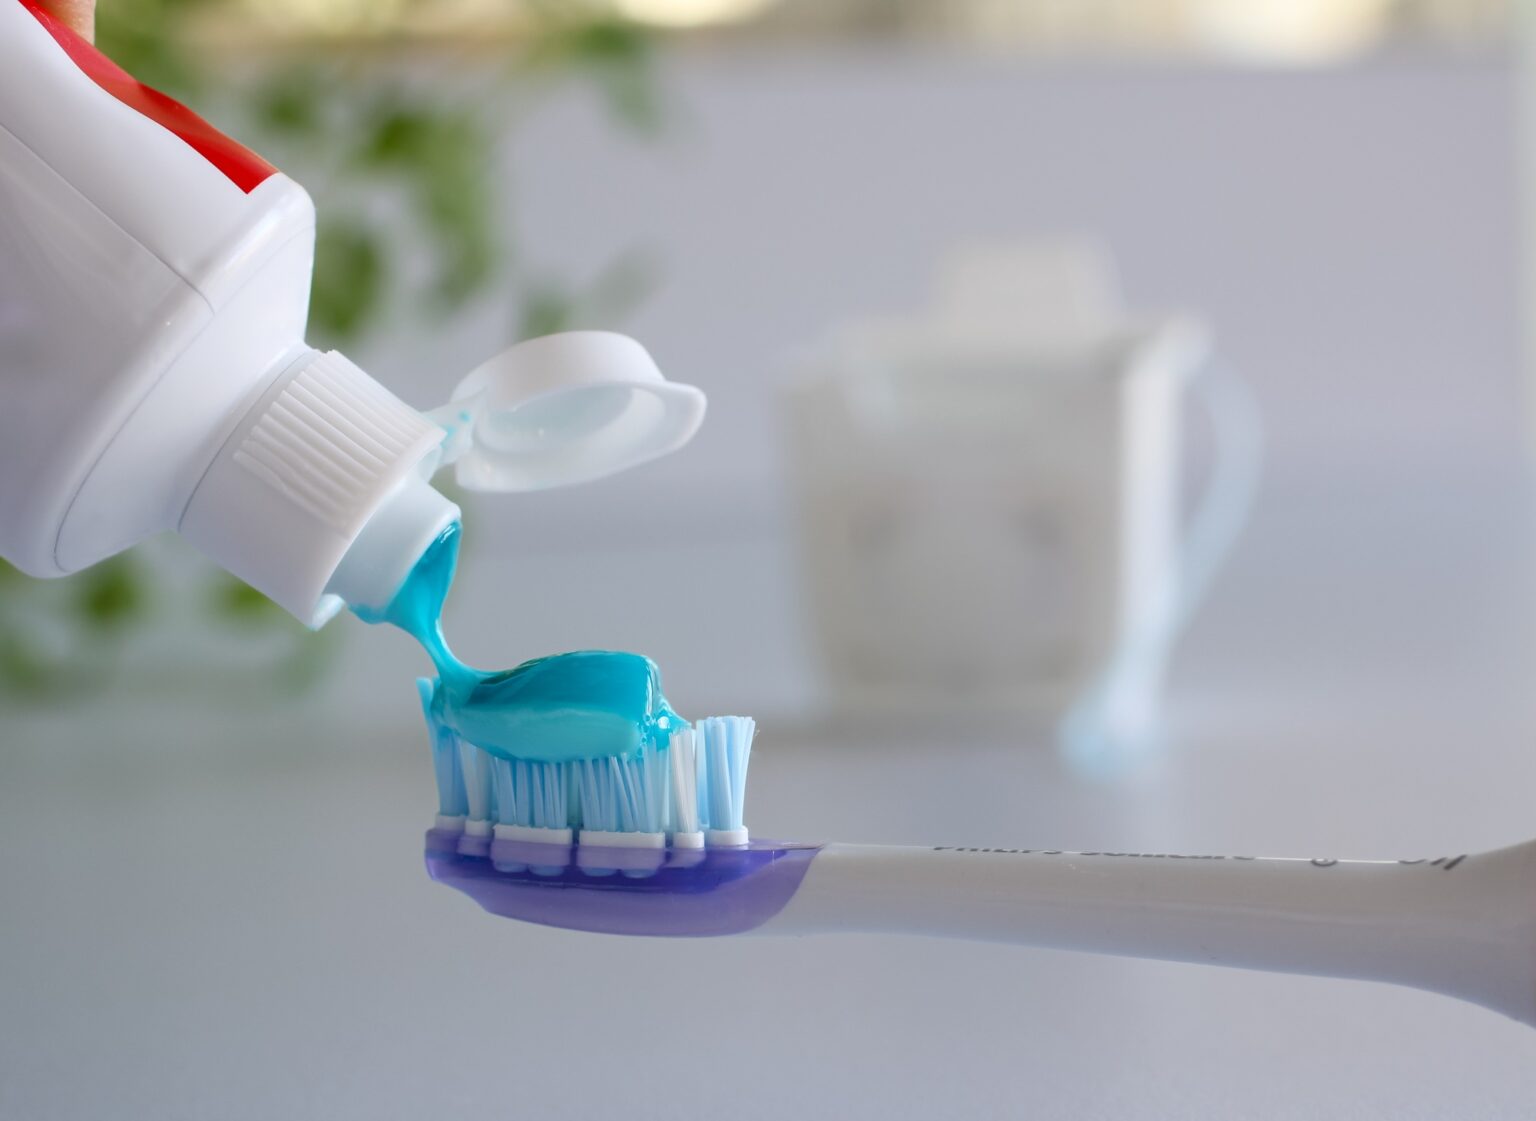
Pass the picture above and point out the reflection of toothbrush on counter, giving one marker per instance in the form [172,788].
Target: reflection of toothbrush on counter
[1460,925]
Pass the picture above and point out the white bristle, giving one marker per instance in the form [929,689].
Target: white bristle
[685,784]
[476,765]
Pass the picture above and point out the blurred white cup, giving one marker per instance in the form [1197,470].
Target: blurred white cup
[988,497]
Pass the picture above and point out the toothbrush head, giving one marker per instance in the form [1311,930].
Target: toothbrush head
[652,841]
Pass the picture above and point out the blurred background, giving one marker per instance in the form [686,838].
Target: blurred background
[1330,188]
[1330,196]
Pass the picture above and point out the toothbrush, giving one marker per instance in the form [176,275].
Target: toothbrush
[672,830]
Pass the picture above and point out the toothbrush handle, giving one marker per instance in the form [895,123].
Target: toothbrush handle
[1463,925]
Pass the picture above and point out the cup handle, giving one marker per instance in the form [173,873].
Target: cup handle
[1116,711]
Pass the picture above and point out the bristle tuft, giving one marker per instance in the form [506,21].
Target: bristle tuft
[451,800]
[723,745]
[531,793]
[685,782]
[625,794]
[477,781]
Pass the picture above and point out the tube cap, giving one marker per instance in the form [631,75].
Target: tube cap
[564,409]
[326,458]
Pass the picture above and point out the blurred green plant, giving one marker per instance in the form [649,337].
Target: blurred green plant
[403,168]
[84,623]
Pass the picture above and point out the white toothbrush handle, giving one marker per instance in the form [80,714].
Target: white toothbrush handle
[1465,926]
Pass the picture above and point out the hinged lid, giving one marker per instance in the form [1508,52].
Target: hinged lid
[564,409]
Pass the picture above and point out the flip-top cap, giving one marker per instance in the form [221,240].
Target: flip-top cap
[564,409]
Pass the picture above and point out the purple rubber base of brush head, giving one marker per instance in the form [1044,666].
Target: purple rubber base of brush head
[694,893]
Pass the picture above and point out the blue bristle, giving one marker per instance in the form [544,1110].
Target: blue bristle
[655,790]
[532,794]
[451,800]
[625,795]
[723,745]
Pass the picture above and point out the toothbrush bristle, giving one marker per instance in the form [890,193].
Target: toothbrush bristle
[685,785]
[476,765]
[530,793]
[446,768]
[625,795]
[692,782]
[723,746]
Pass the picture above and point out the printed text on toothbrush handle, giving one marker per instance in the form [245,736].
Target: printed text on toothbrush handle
[1444,863]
